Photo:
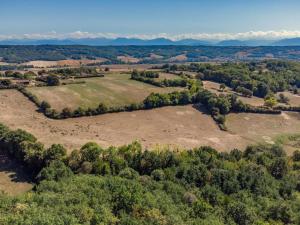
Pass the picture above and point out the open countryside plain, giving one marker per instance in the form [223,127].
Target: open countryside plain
[178,127]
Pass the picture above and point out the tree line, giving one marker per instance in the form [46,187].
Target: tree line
[150,77]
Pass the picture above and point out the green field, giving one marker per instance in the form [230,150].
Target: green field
[113,90]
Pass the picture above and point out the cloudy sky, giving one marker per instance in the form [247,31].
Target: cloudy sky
[175,19]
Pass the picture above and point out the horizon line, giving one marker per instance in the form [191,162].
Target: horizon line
[250,35]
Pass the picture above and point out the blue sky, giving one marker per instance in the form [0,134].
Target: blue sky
[136,17]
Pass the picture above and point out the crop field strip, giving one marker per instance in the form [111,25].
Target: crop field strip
[112,90]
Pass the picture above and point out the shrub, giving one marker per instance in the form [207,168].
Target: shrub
[56,171]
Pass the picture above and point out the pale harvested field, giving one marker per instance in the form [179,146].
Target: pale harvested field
[178,58]
[128,59]
[262,127]
[178,127]
[214,87]
[181,126]
[62,63]
[294,99]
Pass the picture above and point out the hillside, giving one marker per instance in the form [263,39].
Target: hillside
[20,54]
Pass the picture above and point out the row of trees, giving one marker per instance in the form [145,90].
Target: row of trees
[218,106]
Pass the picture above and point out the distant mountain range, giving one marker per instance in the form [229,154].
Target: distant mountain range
[157,41]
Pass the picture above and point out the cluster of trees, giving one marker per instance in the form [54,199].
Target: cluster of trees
[257,78]
[149,77]
[25,148]
[145,73]
[18,75]
[81,72]
[129,185]
[14,67]
[6,83]
[52,80]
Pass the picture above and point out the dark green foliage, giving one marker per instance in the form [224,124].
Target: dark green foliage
[45,105]
[18,54]
[56,171]
[53,80]
[248,78]
[279,168]
[129,186]
[296,156]
[241,213]
[55,152]
[282,212]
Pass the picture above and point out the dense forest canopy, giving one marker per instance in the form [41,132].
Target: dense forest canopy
[127,185]
[258,78]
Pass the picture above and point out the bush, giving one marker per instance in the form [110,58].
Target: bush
[56,171]
[158,175]
[44,106]
[129,173]
[53,80]
[296,156]
[279,168]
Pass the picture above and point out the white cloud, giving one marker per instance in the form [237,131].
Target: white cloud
[273,35]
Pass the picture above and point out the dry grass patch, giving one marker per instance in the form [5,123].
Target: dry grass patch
[128,59]
[62,63]
[294,98]
[178,58]
[112,90]
[177,127]
[13,179]
[263,127]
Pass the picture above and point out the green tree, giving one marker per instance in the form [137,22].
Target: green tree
[53,80]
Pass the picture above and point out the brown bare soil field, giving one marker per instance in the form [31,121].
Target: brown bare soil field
[13,179]
[176,127]
[214,87]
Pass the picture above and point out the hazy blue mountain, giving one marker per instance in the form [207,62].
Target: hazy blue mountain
[193,42]
[287,42]
[157,41]
[231,43]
